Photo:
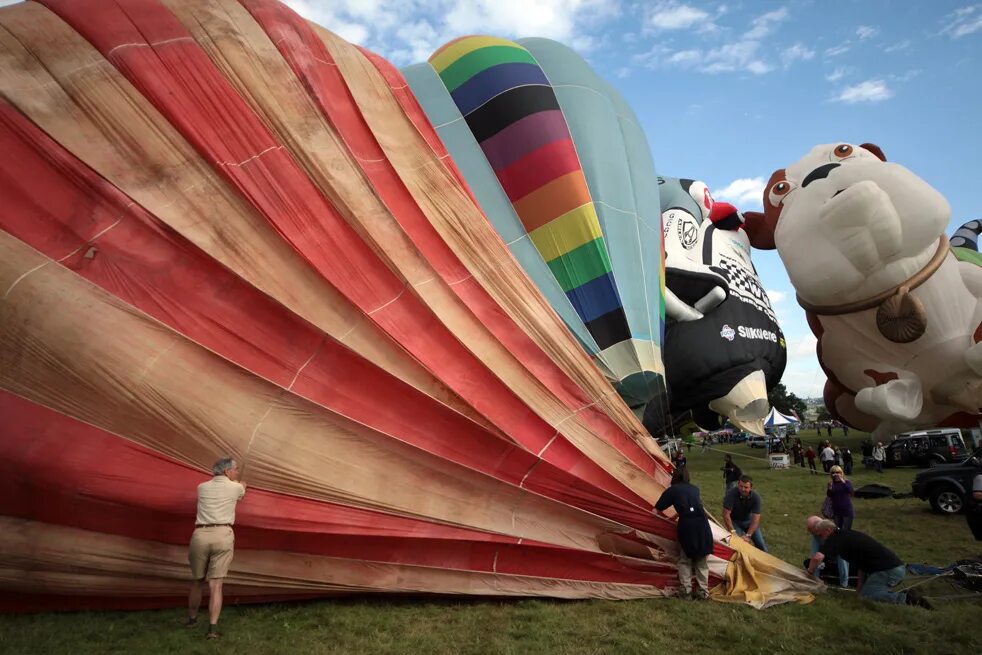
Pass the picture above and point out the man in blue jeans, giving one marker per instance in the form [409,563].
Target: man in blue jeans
[811,524]
[741,512]
[878,568]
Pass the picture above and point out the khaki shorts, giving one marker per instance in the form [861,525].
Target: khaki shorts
[210,553]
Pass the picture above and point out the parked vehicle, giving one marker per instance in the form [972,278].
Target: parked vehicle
[973,438]
[757,441]
[739,437]
[947,486]
[926,448]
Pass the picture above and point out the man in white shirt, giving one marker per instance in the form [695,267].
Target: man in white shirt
[879,456]
[828,457]
[213,541]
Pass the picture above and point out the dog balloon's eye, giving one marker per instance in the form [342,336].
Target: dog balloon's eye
[843,151]
[778,191]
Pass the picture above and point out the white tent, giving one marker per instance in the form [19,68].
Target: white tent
[777,419]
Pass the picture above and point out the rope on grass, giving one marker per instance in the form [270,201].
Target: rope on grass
[955,597]
[927,579]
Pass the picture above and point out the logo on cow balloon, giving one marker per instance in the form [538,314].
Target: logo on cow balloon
[727,333]
[756,333]
[688,233]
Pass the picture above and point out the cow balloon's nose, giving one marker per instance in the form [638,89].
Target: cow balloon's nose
[819,173]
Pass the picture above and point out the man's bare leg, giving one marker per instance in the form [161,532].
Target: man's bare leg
[214,602]
[194,601]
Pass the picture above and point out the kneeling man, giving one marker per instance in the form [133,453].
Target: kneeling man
[878,567]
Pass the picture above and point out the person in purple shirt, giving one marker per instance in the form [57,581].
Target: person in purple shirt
[840,491]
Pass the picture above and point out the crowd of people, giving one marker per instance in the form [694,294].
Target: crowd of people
[836,548]
[828,454]
[839,554]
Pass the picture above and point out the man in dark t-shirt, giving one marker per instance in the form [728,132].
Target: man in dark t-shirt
[879,568]
[741,512]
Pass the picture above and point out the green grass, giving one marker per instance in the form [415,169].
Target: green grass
[835,621]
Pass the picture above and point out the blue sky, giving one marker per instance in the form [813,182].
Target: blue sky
[728,92]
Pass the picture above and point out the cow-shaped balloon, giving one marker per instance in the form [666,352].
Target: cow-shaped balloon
[723,347]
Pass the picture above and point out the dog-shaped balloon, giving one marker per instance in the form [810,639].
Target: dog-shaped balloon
[897,315]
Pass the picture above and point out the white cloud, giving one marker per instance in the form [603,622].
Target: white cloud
[675,16]
[804,377]
[554,19]
[749,53]
[802,347]
[353,32]
[776,296]
[737,56]
[837,50]
[685,57]
[797,52]
[897,46]
[765,23]
[964,21]
[757,67]
[836,75]
[740,56]
[408,31]
[745,192]
[868,91]
[866,32]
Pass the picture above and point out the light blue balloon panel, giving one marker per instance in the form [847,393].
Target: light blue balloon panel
[620,173]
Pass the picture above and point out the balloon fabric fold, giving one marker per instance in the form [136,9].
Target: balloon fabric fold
[226,231]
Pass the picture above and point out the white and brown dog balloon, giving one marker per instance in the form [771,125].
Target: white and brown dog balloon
[897,315]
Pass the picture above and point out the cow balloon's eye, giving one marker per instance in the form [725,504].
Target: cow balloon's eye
[843,151]
[778,191]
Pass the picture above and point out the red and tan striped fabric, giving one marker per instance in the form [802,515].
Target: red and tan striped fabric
[224,230]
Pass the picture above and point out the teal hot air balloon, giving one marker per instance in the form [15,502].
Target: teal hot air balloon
[561,167]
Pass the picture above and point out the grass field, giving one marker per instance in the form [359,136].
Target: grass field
[837,620]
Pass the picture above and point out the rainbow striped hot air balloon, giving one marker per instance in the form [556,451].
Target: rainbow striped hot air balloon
[561,167]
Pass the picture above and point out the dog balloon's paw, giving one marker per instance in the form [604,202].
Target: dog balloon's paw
[897,400]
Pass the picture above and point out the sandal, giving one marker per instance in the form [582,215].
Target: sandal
[190,622]
[212,635]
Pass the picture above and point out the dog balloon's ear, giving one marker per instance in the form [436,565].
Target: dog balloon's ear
[875,149]
[760,230]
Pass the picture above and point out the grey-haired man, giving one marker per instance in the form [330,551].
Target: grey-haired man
[213,542]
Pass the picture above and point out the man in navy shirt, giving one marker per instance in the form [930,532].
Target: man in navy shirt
[741,512]
[878,567]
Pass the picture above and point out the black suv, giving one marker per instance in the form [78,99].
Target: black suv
[926,448]
[947,486]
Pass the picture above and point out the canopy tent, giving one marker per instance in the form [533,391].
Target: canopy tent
[777,419]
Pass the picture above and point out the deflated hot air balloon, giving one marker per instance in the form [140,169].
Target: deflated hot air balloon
[226,231]
[560,166]
[723,346]
[897,311]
